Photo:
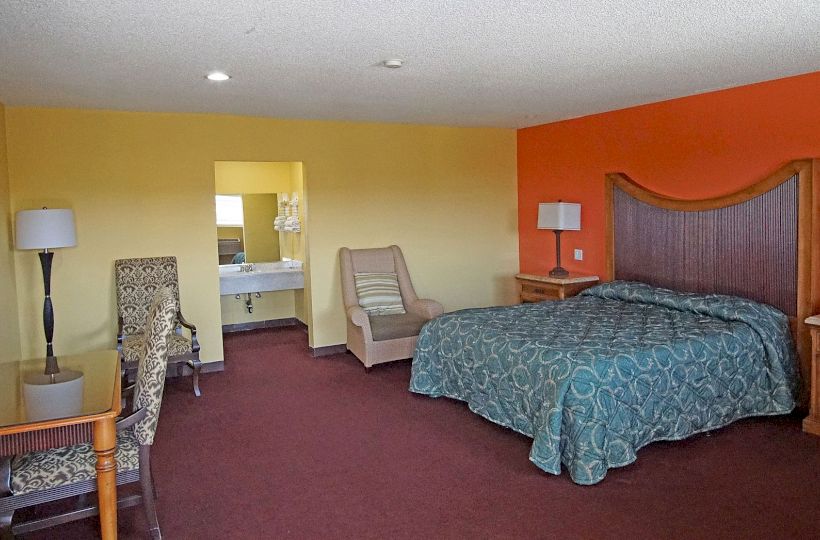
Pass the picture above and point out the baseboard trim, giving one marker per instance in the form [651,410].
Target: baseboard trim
[256,325]
[329,350]
[302,326]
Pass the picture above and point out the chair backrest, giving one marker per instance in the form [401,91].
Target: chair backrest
[389,259]
[138,280]
[154,363]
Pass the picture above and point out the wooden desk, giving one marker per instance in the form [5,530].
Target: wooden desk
[100,407]
[533,288]
[811,424]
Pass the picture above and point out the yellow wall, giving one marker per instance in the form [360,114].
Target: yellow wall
[239,177]
[261,241]
[292,245]
[272,305]
[9,328]
[143,184]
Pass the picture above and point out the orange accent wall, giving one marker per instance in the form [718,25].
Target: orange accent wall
[693,147]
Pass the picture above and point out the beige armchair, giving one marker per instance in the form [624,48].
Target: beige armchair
[373,338]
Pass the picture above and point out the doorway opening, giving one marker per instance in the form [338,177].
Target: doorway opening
[261,231]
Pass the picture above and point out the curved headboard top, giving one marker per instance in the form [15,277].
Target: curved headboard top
[755,243]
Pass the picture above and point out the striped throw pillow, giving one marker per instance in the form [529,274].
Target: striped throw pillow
[379,293]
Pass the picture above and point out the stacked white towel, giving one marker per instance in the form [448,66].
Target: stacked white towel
[292,222]
[282,214]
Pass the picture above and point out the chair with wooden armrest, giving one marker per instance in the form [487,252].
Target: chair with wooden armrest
[137,280]
[50,475]
[378,335]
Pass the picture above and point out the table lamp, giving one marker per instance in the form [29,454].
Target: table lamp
[559,217]
[56,395]
[45,229]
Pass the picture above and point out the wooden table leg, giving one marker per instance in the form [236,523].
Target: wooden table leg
[105,443]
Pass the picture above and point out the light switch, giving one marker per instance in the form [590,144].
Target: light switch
[579,254]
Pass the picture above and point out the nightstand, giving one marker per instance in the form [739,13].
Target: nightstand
[532,288]
[811,424]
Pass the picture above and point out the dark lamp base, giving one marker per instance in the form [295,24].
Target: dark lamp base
[559,272]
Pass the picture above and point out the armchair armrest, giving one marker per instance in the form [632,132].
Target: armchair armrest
[184,322]
[120,335]
[428,309]
[131,419]
[359,317]
[128,390]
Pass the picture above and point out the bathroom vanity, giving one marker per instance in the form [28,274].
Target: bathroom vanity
[260,277]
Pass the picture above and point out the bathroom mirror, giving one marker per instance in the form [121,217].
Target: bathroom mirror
[244,228]
[247,205]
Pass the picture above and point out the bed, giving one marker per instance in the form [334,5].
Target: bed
[594,378]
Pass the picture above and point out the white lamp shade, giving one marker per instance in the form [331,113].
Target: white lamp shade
[46,399]
[45,229]
[560,216]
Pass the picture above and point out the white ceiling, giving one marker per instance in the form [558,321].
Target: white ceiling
[471,63]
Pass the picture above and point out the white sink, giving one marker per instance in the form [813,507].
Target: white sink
[265,277]
[260,267]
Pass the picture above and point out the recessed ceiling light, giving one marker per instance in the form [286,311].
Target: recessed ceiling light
[393,63]
[217,76]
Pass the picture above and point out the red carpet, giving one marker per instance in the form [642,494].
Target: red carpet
[283,445]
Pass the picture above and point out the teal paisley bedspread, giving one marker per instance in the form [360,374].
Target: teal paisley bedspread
[596,377]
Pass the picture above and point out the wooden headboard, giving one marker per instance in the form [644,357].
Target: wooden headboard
[758,243]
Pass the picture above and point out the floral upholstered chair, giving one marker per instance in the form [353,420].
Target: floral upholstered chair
[137,281]
[69,471]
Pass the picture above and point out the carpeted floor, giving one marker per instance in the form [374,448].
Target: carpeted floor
[283,445]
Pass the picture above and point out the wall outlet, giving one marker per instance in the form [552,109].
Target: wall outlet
[579,254]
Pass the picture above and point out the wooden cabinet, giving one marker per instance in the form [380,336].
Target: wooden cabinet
[532,288]
[811,424]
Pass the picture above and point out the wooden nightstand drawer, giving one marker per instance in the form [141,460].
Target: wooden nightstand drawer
[536,296]
[533,288]
[537,292]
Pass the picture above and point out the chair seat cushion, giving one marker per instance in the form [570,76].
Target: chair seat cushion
[39,471]
[132,347]
[384,327]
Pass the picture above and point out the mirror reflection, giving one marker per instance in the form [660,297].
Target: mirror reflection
[245,228]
